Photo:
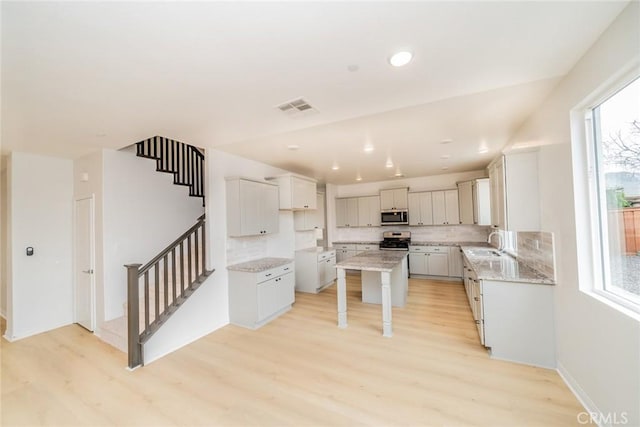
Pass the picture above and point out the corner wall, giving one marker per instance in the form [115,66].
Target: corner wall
[40,208]
[598,348]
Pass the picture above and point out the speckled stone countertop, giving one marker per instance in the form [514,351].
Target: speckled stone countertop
[258,265]
[353,242]
[317,249]
[504,268]
[476,244]
[374,261]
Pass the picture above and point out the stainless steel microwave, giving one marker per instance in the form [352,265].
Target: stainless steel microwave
[394,217]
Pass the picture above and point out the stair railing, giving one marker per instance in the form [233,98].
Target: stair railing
[184,161]
[175,273]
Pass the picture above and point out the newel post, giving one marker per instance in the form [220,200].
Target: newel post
[133,308]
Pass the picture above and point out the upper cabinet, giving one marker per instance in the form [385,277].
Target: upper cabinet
[515,202]
[369,211]
[420,208]
[394,199]
[347,212]
[252,207]
[445,207]
[310,219]
[474,200]
[297,192]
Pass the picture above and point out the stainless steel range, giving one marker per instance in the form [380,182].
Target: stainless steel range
[395,241]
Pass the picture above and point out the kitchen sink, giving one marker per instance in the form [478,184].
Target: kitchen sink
[484,253]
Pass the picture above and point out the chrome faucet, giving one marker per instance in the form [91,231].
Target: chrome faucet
[497,233]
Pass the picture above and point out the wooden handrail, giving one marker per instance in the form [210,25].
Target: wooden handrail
[173,245]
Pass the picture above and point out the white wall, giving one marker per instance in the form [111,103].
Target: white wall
[4,241]
[440,233]
[40,215]
[91,165]
[143,212]
[208,309]
[598,348]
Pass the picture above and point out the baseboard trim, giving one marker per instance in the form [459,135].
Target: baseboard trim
[579,393]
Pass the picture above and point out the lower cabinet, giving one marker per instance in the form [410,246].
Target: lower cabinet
[429,260]
[255,298]
[514,319]
[344,251]
[315,270]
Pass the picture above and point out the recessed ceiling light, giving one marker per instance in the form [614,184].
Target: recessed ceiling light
[335,167]
[444,168]
[293,147]
[389,163]
[446,141]
[400,59]
[445,156]
[398,174]
[483,150]
[368,148]
[358,178]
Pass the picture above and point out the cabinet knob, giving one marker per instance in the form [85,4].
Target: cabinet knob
[476,299]
[477,322]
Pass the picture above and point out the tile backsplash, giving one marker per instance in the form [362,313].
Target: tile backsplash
[435,233]
[533,248]
[537,249]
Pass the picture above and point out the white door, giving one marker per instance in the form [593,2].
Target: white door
[84,264]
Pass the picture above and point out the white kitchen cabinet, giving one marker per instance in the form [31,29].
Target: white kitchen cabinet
[297,192]
[310,219]
[315,269]
[347,212]
[429,260]
[445,207]
[481,196]
[369,211]
[366,247]
[252,207]
[255,298]
[474,202]
[394,199]
[455,262]
[344,251]
[515,200]
[420,208]
[465,202]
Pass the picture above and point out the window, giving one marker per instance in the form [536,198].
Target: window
[613,149]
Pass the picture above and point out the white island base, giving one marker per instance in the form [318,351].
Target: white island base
[382,270]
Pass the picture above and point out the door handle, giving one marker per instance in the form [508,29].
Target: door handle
[90,271]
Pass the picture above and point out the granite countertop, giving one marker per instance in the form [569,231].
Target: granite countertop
[504,268]
[476,244]
[258,265]
[354,242]
[317,249]
[374,261]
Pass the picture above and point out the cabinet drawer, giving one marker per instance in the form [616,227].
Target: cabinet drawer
[346,247]
[367,247]
[326,255]
[274,272]
[431,249]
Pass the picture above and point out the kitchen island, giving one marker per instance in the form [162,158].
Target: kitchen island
[390,267]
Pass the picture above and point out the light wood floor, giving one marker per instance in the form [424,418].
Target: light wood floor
[298,370]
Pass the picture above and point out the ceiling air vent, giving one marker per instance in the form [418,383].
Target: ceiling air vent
[296,107]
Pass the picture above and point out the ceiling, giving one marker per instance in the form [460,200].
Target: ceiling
[78,76]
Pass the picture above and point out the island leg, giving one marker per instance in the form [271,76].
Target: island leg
[342,298]
[385,278]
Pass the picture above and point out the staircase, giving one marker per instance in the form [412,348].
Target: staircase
[156,290]
[184,161]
